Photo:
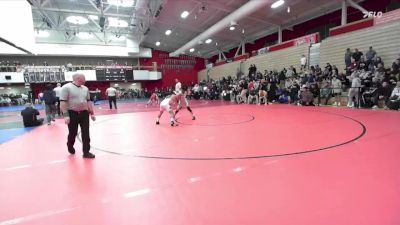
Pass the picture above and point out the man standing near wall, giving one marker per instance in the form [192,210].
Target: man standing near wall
[76,107]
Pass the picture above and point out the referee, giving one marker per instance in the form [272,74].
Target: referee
[76,107]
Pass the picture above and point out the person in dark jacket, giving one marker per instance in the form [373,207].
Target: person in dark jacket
[50,99]
[29,116]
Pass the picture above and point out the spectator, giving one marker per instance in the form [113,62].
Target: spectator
[303,62]
[336,85]
[377,61]
[362,65]
[354,91]
[325,91]
[347,57]
[57,90]
[394,101]
[49,97]
[307,98]
[370,55]
[383,93]
[396,67]
[357,55]
[327,70]
[29,116]
[335,71]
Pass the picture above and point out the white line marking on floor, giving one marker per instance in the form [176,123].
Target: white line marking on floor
[57,161]
[136,193]
[35,216]
[17,167]
[194,179]
[238,169]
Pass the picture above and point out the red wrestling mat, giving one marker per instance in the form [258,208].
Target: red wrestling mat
[238,131]
[235,164]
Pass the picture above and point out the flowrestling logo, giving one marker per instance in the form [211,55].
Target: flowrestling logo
[372,14]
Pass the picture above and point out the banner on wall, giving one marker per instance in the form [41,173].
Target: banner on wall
[312,38]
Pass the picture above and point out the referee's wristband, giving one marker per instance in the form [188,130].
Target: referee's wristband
[66,114]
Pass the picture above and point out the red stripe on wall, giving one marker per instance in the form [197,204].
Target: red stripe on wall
[358,25]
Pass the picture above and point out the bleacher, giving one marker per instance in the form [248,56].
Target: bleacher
[384,38]
[279,59]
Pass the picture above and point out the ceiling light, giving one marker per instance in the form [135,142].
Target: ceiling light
[288,9]
[93,17]
[184,14]
[191,50]
[158,43]
[114,22]
[77,20]
[168,32]
[123,3]
[208,41]
[232,28]
[277,4]
[42,33]
[84,35]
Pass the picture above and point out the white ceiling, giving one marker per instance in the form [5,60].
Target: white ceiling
[148,26]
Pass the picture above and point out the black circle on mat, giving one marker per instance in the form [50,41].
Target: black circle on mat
[364,130]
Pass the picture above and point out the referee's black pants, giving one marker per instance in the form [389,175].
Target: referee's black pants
[79,119]
[112,99]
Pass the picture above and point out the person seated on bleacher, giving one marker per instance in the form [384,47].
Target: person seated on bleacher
[283,97]
[293,92]
[383,93]
[396,67]
[29,116]
[318,70]
[394,100]
[242,97]
[380,68]
[335,71]
[362,65]
[289,73]
[263,92]
[376,63]
[369,91]
[315,90]
[328,70]
[325,91]
[306,97]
